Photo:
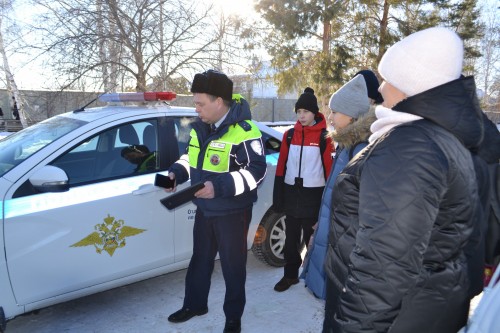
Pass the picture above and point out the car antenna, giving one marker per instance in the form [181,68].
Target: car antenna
[92,101]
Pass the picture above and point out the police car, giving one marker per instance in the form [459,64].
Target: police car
[79,210]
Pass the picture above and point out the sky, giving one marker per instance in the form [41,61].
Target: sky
[240,7]
[30,75]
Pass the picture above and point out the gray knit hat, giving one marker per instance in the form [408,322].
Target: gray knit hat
[352,98]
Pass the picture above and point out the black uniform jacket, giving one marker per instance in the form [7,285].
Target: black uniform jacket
[403,212]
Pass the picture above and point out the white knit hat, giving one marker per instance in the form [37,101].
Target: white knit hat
[423,60]
[352,98]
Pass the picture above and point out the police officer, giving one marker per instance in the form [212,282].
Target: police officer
[225,152]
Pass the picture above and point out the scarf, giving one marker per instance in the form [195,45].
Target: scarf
[387,119]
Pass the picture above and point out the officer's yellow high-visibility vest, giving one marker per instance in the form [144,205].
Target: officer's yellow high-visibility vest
[217,154]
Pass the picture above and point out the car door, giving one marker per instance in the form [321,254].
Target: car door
[108,227]
[184,214]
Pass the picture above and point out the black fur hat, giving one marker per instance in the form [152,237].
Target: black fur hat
[214,83]
[307,101]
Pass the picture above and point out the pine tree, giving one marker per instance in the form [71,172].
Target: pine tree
[323,43]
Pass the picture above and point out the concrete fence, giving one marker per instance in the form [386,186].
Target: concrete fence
[45,104]
[263,109]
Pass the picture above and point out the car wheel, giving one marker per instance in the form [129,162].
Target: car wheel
[269,241]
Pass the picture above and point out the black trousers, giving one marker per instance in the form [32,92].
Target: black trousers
[227,235]
[293,228]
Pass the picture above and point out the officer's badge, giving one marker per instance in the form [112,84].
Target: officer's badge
[215,159]
[109,236]
[256,147]
[218,145]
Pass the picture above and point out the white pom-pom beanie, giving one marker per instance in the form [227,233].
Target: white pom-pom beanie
[423,60]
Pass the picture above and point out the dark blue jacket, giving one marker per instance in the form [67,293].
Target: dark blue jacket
[351,140]
[236,188]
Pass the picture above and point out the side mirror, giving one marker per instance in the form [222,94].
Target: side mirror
[50,179]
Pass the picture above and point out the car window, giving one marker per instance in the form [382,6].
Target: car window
[141,129]
[120,151]
[88,145]
[17,147]
[173,138]
[270,148]
[183,130]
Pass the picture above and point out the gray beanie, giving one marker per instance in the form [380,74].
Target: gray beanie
[352,98]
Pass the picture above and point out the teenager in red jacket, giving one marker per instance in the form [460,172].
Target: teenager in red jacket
[303,166]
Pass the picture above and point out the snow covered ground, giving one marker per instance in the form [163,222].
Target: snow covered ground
[145,306]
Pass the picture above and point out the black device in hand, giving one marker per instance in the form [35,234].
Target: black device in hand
[179,198]
[164,181]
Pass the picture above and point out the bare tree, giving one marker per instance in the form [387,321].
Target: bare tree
[98,41]
[17,98]
[488,68]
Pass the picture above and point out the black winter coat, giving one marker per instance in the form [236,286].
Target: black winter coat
[403,212]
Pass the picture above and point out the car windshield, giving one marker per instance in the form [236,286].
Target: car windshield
[19,146]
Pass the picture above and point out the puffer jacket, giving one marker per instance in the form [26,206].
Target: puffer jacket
[351,140]
[404,210]
[302,159]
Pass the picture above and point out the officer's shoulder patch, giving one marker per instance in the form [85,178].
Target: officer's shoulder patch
[246,126]
[256,147]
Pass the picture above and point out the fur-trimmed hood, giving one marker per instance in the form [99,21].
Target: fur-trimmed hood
[357,131]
